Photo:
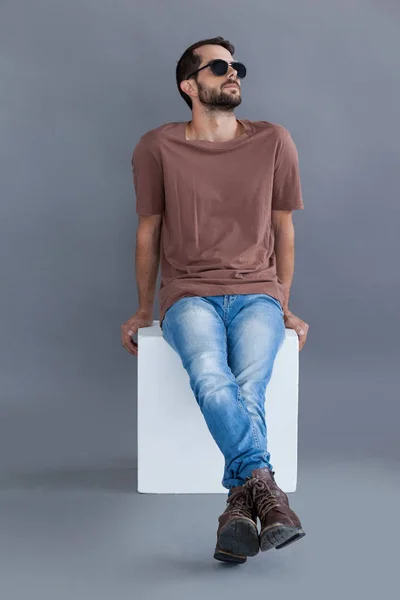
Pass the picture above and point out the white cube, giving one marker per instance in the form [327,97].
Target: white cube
[176,452]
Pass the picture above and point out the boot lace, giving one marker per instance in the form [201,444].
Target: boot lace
[264,502]
[241,501]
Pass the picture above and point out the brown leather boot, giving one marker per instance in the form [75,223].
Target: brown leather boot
[280,526]
[237,535]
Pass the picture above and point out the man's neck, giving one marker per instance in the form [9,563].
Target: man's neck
[214,130]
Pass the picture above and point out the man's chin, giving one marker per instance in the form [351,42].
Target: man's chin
[231,97]
[226,102]
[232,104]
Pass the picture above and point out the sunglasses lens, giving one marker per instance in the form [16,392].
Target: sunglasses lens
[240,69]
[219,67]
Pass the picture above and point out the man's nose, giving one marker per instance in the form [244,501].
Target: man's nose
[232,71]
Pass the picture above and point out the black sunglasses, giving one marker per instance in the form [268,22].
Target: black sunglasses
[220,67]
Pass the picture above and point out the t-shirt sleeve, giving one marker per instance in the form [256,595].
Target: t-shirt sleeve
[286,191]
[147,179]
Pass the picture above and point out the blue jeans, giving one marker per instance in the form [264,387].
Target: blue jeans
[228,345]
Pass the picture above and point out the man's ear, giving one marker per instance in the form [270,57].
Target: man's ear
[187,87]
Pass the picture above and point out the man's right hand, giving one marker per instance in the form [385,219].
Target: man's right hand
[141,318]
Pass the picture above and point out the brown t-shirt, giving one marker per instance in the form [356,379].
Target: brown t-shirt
[216,200]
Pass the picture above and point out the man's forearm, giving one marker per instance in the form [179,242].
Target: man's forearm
[147,257]
[284,253]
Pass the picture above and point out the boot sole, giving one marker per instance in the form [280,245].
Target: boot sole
[237,540]
[279,536]
[228,557]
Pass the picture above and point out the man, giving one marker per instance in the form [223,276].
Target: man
[216,195]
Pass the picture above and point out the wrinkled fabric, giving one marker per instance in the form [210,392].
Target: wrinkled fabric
[228,345]
[216,200]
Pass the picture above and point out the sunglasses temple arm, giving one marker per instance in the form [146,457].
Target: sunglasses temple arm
[201,68]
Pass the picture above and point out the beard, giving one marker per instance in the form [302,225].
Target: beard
[222,100]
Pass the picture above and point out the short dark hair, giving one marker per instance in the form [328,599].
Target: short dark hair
[189,62]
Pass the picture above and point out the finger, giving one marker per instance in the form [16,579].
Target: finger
[127,334]
[129,344]
[300,335]
[302,340]
[131,350]
[129,338]
[132,344]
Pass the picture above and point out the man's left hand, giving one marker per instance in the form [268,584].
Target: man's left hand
[300,326]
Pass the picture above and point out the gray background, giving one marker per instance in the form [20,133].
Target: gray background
[80,83]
